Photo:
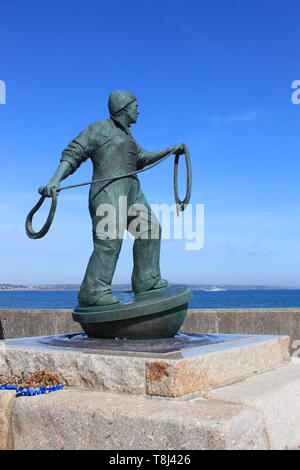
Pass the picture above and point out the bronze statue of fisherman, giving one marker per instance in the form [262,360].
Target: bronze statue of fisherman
[114,151]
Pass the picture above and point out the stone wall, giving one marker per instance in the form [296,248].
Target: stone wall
[262,321]
[16,323]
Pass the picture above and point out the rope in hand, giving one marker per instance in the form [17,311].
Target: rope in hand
[180,204]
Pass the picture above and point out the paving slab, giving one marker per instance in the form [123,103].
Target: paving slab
[171,368]
[275,395]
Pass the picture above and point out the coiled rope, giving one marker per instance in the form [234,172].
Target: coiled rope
[180,204]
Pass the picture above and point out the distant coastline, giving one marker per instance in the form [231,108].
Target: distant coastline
[120,287]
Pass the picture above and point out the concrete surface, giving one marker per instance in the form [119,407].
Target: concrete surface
[259,321]
[17,323]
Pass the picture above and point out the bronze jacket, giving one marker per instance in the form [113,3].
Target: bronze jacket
[112,148]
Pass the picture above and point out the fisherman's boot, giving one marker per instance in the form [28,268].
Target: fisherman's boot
[107,299]
[160,284]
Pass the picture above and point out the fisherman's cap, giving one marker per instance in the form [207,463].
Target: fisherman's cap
[119,100]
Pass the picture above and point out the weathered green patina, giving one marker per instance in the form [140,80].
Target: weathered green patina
[154,310]
[153,314]
[113,151]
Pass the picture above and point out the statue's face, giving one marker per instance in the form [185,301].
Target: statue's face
[132,112]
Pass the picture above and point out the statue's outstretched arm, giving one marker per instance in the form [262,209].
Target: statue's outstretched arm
[63,170]
[147,158]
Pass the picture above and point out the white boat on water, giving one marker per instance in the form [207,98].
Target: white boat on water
[214,289]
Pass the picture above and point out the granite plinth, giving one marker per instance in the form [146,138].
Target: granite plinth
[153,314]
[170,367]
[259,413]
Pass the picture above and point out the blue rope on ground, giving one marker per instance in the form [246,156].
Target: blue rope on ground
[27,391]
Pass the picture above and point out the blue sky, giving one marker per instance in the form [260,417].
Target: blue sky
[215,74]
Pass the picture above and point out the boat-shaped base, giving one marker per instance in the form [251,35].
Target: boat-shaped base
[154,314]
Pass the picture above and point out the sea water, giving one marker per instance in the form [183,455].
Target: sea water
[277,298]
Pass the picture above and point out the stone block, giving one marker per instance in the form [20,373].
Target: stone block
[169,374]
[215,368]
[91,420]
[76,369]
[6,399]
